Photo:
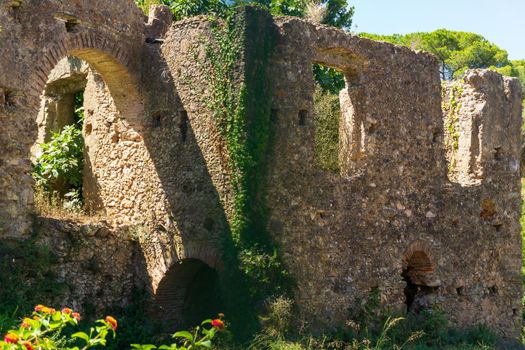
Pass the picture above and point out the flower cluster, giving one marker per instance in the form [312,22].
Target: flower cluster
[43,331]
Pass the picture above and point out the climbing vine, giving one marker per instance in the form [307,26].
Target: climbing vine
[242,108]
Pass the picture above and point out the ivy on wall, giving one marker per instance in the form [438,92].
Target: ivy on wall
[241,102]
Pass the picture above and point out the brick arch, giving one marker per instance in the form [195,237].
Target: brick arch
[419,273]
[419,252]
[188,293]
[106,55]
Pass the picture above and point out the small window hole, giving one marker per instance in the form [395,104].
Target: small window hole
[303,114]
[274,116]
[156,120]
[72,25]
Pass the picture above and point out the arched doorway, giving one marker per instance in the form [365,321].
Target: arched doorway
[421,281]
[188,294]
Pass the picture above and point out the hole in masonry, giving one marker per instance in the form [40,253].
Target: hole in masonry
[188,293]
[493,290]
[421,282]
[156,120]
[460,290]
[209,224]
[372,128]
[497,153]
[7,98]
[498,227]
[303,114]
[183,125]
[274,116]
[515,312]
[72,25]
[436,135]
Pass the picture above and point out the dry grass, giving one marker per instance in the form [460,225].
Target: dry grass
[315,11]
[50,205]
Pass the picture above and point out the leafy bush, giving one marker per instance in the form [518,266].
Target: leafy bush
[58,169]
[61,163]
[44,331]
[200,338]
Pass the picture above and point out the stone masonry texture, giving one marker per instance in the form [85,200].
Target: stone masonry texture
[424,211]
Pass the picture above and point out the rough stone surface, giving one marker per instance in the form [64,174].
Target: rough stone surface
[398,219]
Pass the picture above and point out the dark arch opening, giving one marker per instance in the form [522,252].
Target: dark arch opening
[188,294]
[421,282]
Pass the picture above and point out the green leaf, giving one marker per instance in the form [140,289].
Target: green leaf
[183,334]
[206,343]
[81,335]
[143,347]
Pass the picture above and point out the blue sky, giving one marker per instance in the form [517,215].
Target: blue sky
[500,21]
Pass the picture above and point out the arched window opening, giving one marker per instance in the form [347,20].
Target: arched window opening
[421,282]
[58,153]
[188,294]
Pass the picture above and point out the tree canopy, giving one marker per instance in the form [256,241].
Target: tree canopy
[338,13]
[456,51]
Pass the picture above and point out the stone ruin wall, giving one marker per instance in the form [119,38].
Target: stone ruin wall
[157,164]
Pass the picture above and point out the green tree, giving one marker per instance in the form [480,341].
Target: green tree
[455,51]
[339,14]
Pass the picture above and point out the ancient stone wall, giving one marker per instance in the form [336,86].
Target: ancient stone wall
[424,211]
[392,204]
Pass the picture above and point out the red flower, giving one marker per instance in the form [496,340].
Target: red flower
[28,345]
[44,309]
[67,311]
[112,322]
[11,338]
[76,316]
[217,324]
[26,323]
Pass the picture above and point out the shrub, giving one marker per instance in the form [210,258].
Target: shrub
[200,338]
[44,331]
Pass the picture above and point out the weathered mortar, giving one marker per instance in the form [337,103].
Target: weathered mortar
[159,163]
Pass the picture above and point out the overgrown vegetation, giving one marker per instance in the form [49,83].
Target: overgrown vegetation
[58,168]
[451,107]
[25,276]
[243,113]
[327,115]
[337,12]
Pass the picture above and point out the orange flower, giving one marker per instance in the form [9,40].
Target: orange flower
[26,323]
[44,309]
[217,324]
[76,316]
[112,322]
[67,311]
[28,345]
[11,338]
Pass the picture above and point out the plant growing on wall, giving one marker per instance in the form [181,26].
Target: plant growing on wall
[58,169]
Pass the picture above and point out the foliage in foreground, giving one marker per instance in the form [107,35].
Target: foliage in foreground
[46,330]
[49,329]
